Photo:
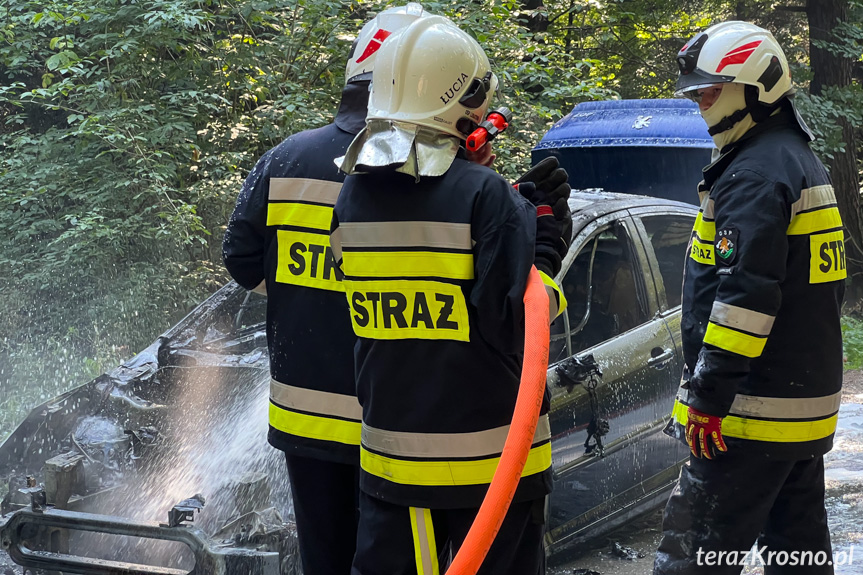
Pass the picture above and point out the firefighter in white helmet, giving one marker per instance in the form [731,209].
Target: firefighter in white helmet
[762,345]
[436,251]
[277,241]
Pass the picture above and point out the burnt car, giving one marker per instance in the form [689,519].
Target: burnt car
[188,414]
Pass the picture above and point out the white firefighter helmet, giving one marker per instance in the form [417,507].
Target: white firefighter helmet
[737,52]
[364,51]
[432,74]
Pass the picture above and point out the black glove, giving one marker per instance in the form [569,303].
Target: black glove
[548,176]
[546,185]
[550,246]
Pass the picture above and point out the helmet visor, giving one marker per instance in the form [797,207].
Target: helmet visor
[695,79]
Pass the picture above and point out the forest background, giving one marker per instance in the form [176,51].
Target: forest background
[128,126]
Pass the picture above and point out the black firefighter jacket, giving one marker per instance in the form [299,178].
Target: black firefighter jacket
[763,287]
[435,273]
[279,233]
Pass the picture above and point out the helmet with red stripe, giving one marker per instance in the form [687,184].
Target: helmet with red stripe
[361,61]
[433,74]
[734,52]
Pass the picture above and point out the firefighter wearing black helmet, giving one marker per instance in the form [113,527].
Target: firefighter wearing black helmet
[763,287]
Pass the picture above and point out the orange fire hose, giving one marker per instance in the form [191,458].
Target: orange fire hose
[517,447]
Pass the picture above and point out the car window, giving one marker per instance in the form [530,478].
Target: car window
[601,292]
[669,235]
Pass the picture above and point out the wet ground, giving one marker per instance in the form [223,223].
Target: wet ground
[844,499]
[636,542]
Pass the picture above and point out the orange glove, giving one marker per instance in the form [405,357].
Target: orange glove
[704,434]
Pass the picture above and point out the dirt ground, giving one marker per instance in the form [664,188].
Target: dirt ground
[852,387]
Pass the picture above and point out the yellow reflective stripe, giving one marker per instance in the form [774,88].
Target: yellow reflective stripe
[451,473]
[741,318]
[827,257]
[408,309]
[814,197]
[306,259]
[680,412]
[763,430]
[734,341]
[706,230]
[301,215]
[304,189]
[817,221]
[425,548]
[315,427]
[556,299]
[407,264]
[779,431]
[702,252]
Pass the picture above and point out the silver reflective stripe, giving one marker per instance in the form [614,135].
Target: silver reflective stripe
[786,408]
[336,243]
[812,198]
[445,445]
[741,318]
[708,209]
[316,402]
[304,190]
[442,235]
[426,550]
[780,407]
[553,305]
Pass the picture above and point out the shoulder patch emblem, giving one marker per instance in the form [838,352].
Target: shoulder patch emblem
[726,246]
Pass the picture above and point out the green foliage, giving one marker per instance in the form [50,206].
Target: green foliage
[852,340]
[127,127]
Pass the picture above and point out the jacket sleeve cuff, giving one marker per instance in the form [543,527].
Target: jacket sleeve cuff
[556,299]
[707,406]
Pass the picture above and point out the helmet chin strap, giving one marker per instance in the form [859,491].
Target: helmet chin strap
[759,111]
[728,122]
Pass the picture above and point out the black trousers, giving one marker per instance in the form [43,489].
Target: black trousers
[729,503]
[398,540]
[326,511]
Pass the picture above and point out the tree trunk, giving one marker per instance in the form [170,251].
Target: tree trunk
[539,21]
[831,70]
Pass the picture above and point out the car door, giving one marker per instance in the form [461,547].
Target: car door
[666,240]
[613,315]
